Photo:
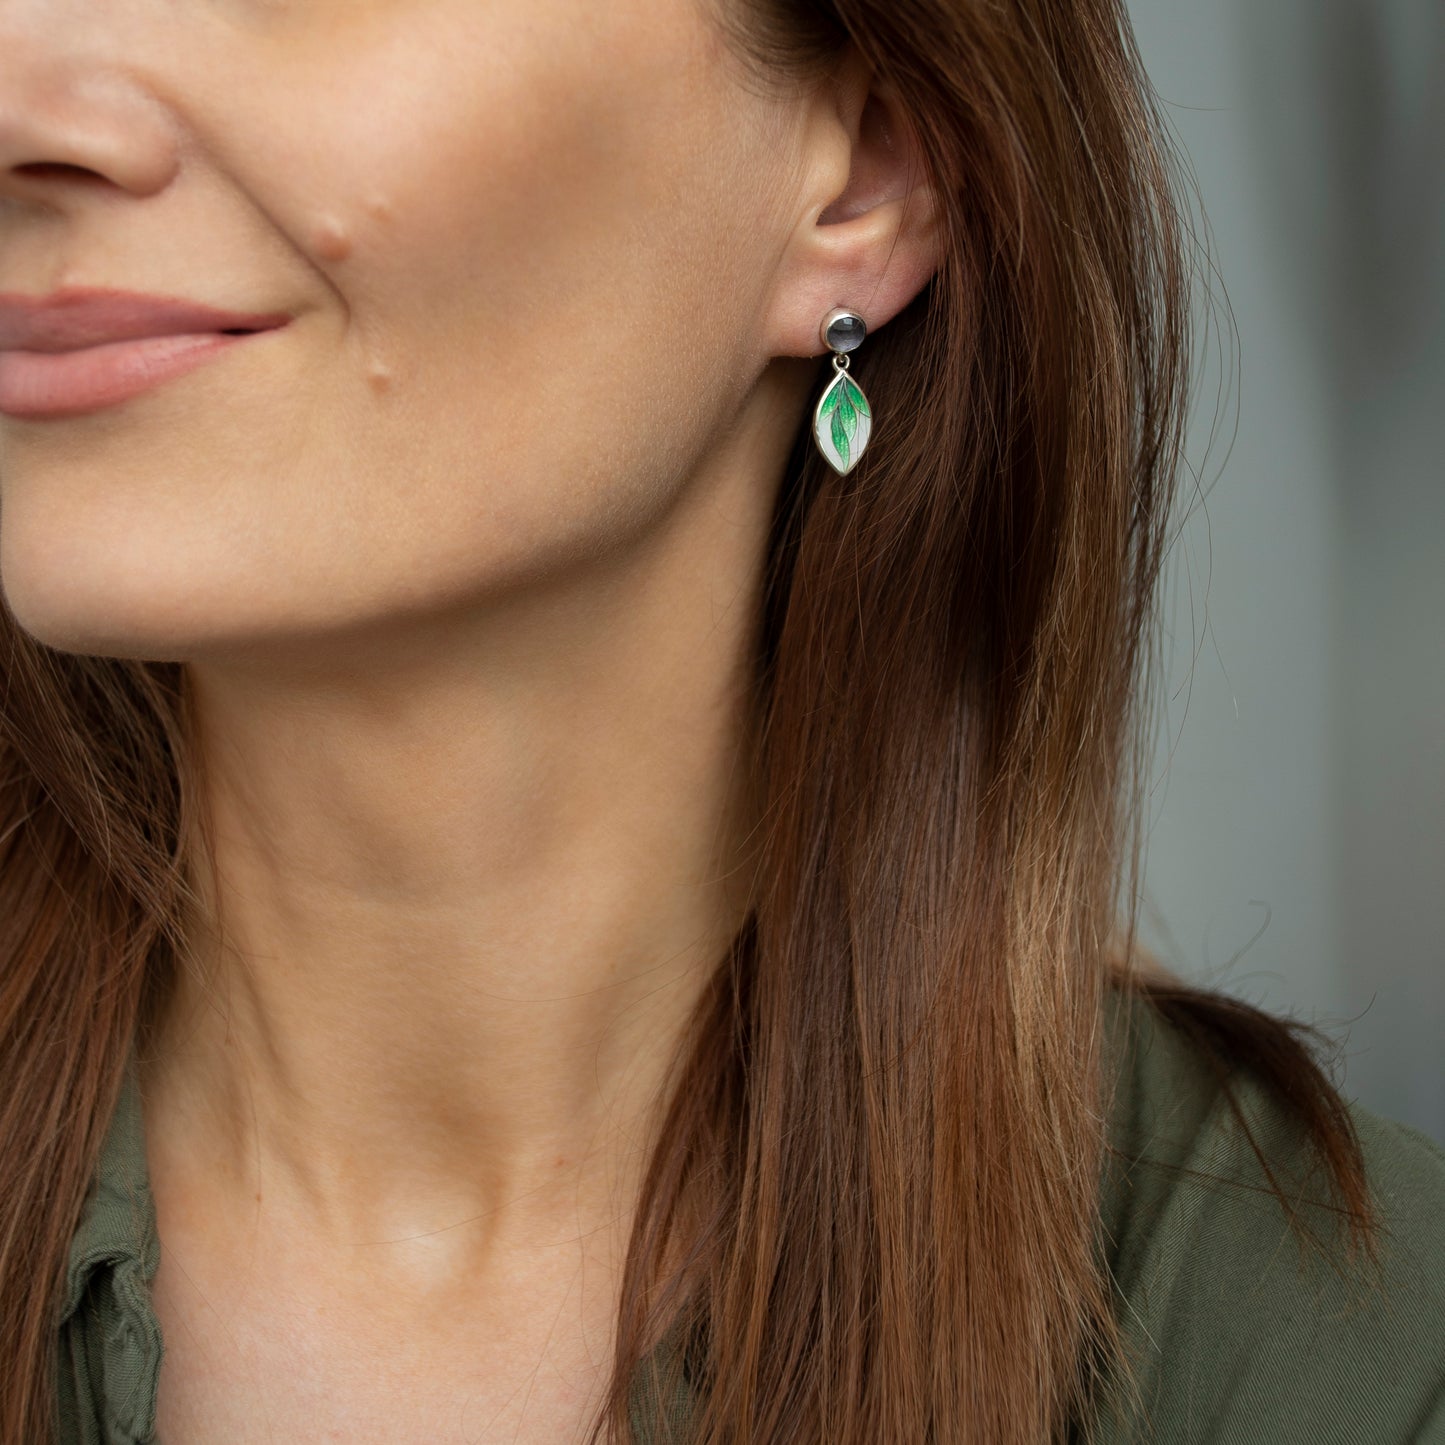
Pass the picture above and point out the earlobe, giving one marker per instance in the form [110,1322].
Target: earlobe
[875,264]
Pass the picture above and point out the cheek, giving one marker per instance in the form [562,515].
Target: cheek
[542,278]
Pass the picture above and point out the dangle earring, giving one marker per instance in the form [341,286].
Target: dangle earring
[842,420]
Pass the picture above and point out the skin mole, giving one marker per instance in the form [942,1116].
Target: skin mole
[332,240]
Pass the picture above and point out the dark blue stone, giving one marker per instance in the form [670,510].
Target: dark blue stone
[846,333]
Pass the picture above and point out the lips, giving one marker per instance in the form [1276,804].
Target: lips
[73,319]
[78,350]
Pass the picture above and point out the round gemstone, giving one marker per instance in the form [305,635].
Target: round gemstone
[845,332]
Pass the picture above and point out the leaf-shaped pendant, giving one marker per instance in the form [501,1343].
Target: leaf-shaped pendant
[842,423]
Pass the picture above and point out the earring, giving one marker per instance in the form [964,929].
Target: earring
[842,420]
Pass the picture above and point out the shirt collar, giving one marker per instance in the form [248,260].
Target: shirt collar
[118,1221]
[114,1254]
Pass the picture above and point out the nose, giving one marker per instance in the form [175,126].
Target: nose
[72,116]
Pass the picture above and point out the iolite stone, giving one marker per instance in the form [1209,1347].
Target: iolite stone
[846,333]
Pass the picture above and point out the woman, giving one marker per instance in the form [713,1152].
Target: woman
[563,818]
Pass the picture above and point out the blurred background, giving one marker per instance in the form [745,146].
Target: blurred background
[1296,827]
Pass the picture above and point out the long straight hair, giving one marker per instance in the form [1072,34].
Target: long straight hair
[872,1213]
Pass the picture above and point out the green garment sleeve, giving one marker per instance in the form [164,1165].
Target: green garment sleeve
[1241,1335]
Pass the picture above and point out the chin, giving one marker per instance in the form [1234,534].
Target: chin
[107,607]
[94,633]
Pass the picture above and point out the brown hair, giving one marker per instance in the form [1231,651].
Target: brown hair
[877,1174]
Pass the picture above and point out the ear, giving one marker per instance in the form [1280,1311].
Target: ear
[868,237]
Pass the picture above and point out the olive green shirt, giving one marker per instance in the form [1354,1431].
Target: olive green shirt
[1239,1338]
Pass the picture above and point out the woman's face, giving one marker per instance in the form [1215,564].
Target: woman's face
[533,255]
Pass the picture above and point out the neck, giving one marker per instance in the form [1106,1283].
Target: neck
[468,880]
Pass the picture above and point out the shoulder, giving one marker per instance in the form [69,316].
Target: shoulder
[1240,1330]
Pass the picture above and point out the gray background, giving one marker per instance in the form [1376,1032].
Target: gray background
[1295,847]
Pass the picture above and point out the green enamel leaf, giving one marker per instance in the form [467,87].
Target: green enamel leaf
[845,412]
